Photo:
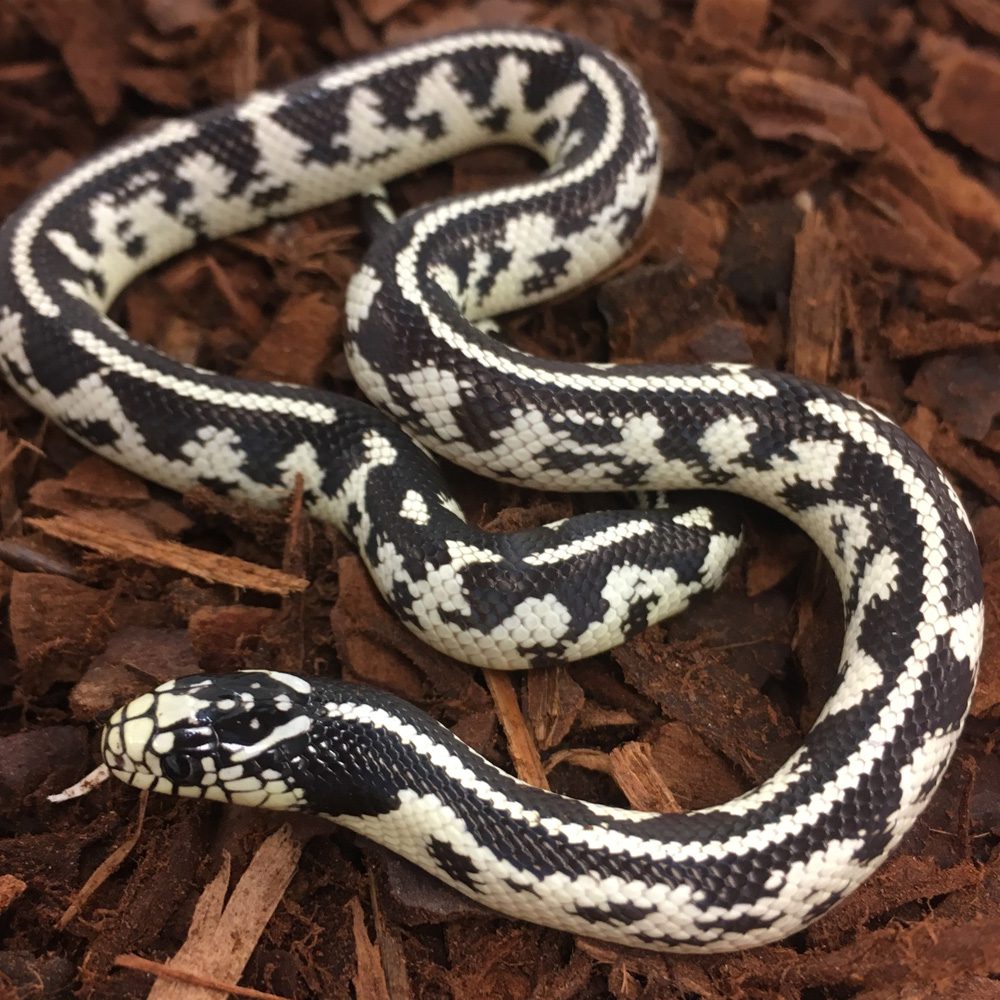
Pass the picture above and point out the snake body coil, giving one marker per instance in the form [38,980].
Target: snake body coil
[735,875]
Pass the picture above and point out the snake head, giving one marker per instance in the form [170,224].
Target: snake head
[233,738]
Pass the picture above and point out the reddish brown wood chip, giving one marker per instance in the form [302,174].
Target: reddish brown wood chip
[904,879]
[978,296]
[986,523]
[890,227]
[46,611]
[174,15]
[92,40]
[552,703]
[780,104]
[393,964]
[135,660]
[984,13]
[219,634]
[696,775]
[520,745]
[966,94]
[910,335]
[690,687]
[816,314]
[369,980]
[634,770]
[946,447]
[225,931]
[206,565]
[32,759]
[986,697]
[973,206]
[378,11]
[982,471]
[963,388]
[924,955]
[296,346]
[98,478]
[731,22]
[375,648]
[11,888]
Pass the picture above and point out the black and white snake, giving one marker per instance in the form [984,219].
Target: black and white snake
[736,875]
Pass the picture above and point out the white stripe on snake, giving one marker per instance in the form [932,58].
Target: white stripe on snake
[736,875]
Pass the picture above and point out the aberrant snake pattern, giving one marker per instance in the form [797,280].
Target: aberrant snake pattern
[736,875]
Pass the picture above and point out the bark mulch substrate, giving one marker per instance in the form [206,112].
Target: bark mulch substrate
[831,206]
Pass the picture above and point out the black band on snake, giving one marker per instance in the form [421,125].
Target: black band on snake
[736,875]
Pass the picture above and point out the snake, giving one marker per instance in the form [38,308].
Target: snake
[422,345]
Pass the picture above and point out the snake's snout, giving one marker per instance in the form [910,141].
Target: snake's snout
[159,740]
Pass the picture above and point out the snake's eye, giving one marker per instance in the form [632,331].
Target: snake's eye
[181,769]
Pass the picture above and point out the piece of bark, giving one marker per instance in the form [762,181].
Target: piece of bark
[135,660]
[198,982]
[979,295]
[983,13]
[891,228]
[218,634]
[758,254]
[47,612]
[92,40]
[390,945]
[35,757]
[168,16]
[207,565]
[731,22]
[966,94]
[694,232]
[780,104]
[963,388]
[903,879]
[913,958]
[986,524]
[369,979]
[949,450]
[652,312]
[413,897]
[296,345]
[688,686]
[376,648]
[553,701]
[986,696]
[695,774]
[816,310]
[11,889]
[378,11]
[910,335]
[973,207]
[110,498]
[108,866]
[224,931]
[635,773]
[520,743]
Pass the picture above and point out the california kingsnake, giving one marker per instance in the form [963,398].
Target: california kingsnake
[740,874]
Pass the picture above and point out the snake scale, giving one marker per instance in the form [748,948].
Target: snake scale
[418,341]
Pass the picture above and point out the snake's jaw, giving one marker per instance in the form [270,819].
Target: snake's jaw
[172,739]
